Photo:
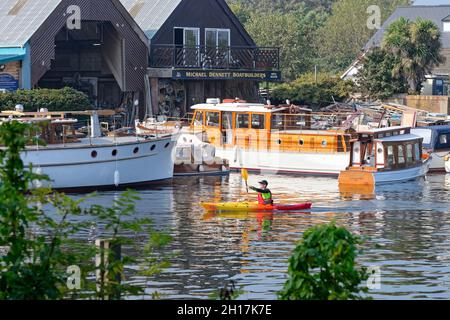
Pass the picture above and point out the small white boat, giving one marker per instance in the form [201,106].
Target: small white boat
[73,162]
[447,163]
[436,141]
[194,157]
[384,156]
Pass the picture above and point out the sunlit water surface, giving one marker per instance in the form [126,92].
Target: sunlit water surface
[407,227]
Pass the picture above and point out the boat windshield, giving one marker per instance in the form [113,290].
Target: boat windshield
[424,133]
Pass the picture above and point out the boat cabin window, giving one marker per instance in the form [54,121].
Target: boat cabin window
[277,122]
[409,154]
[242,120]
[227,119]
[417,153]
[401,154]
[198,119]
[258,121]
[212,119]
[391,156]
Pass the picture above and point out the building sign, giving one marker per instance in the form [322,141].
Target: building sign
[8,82]
[274,76]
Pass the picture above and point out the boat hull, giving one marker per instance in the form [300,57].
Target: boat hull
[75,168]
[253,207]
[329,164]
[373,178]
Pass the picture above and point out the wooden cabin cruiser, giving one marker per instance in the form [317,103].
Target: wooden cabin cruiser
[285,139]
[436,141]
[383,156]
[77,162]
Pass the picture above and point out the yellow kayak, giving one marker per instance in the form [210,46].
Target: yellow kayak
[253,206]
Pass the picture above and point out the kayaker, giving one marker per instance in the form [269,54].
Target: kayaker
[264,194]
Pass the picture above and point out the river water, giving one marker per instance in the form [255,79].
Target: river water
[406,226]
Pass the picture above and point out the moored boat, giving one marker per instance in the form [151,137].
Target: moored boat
[384,156]
[76,162]
[254,207]
[282,139]
[436,141]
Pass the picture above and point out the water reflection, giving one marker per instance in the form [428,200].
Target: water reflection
[407,227]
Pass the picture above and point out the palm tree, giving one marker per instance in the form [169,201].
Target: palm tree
[417,45]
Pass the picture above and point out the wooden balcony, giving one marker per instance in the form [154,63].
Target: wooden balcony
[215,58]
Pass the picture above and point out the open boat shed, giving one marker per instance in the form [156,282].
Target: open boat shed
[94,46]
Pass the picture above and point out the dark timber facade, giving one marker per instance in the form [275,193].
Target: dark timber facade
[200,50]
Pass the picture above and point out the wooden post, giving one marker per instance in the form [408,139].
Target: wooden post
[108,252]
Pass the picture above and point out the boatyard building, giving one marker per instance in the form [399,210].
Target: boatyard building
[199,50]
[93,46]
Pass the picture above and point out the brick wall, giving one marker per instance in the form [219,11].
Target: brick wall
[435,104]
[14,69]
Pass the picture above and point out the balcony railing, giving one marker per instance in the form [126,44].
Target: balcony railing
[203,57]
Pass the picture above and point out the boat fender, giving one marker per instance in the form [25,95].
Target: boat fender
[201,168]
[38,183]
[116,178]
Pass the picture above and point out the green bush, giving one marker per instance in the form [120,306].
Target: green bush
[323,266]
[305,90]
[66,99]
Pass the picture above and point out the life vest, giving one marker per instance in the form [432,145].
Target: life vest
[265,198]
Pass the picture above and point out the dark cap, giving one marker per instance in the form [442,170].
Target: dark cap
[264,182]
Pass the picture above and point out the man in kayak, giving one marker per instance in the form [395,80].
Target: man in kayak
[264,194]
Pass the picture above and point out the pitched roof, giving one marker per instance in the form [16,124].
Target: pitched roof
[437,14]
[20,19]
[150,15]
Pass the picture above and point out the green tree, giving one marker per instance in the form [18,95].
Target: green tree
[323,266]
[306,91]
[376,79]
[417,48]
[292,32]
[342,38]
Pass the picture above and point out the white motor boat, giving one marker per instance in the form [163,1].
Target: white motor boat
[74,162]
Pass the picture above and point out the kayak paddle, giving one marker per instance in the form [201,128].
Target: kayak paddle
[245,177]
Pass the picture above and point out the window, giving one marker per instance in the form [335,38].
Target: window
[401,154]
[446,26]
[198,119]
[417,152]
[258,121]
[226,120]
[390,156]
[212,119]
[277,122]
[242,121]
[443,139]
[409,154]
[217,38]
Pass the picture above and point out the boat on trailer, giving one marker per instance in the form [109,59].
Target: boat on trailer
[75,162]
[383,156]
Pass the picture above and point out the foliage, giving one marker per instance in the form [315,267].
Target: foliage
[342,38]
[416,47]
[38,233]
[293,31]
[66,99]
[306,91]
[376,80]
[323,266]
